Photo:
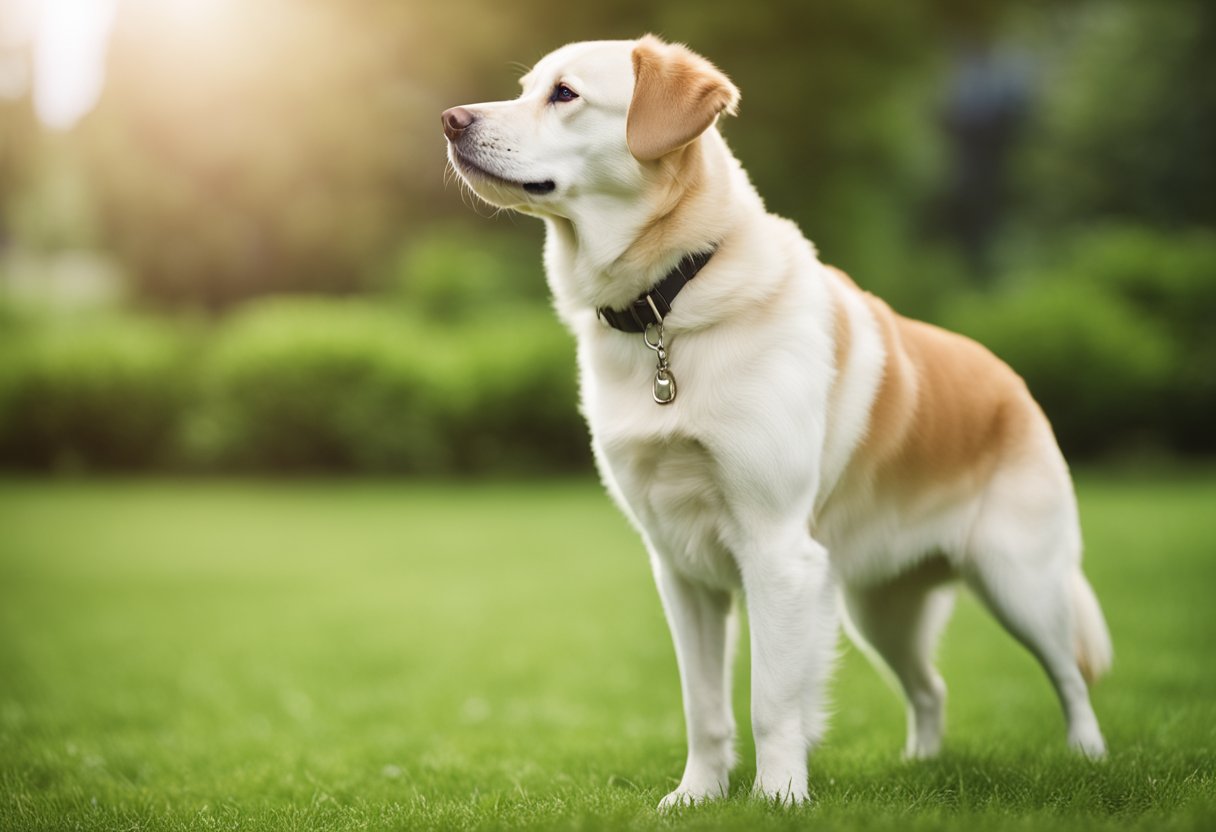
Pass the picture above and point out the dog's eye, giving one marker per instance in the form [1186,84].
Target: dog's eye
[562,93]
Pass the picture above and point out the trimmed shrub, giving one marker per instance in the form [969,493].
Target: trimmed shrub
[316,384]
[1169,279]
[105,395]
[350,386]
[520,371]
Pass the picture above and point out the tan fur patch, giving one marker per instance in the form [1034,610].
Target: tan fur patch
[895,404]
[677,94]
[946,409]
[675,221]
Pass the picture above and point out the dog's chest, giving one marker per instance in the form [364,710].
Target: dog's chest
[670,489]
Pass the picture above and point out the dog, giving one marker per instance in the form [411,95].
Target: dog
[771,430]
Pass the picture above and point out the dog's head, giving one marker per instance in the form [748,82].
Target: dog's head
[595,120]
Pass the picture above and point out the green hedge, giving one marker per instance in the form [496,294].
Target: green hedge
[347,386]
[295,385]
[104,394]
[1169,279]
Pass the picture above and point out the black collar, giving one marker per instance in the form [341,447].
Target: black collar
[641,312]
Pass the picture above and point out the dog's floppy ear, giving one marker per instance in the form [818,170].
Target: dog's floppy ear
[677,94]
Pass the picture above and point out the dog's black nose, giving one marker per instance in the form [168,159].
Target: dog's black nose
[456,121]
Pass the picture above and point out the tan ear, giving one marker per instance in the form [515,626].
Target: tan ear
[677,94]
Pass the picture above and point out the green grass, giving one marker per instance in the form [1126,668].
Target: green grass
[354,655]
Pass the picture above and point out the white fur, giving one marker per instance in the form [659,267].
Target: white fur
[744,484]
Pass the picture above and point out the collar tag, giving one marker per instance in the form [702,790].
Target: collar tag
[664,388]
[645,314]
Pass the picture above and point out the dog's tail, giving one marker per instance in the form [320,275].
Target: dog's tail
[1092,639]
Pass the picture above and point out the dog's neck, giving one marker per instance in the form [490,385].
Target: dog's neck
[613,250]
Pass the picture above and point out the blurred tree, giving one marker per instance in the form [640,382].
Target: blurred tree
[259,147]
[19,151]
[293,145]
[290,145]
[1128,125]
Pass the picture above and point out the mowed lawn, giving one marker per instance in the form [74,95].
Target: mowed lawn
[379,655]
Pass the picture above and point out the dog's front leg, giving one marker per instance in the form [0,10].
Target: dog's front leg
[701,623]
[792,615]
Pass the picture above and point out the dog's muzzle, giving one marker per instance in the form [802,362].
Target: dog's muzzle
[456,123]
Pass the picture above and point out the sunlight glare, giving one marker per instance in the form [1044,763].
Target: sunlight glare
[70,42]
[190,12]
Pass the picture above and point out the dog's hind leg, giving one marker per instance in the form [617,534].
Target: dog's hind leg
[1024,564]
[898,623]
[702,625]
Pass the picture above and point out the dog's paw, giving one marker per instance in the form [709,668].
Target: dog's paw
[690,795]
[1089,744]
[922,748]
[676,800]
[790,792]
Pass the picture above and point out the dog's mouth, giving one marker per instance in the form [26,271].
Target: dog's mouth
[467,165]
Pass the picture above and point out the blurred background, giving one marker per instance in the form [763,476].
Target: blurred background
[227,244]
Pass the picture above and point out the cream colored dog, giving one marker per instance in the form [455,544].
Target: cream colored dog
[817,445]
